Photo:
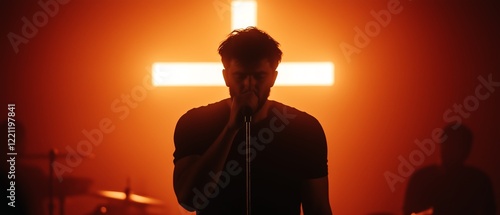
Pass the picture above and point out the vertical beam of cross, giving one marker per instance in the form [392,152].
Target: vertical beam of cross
[243,14]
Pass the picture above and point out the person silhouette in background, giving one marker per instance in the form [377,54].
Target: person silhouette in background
[451,187]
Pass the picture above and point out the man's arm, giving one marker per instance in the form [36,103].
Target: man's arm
[315,200]
[193,171]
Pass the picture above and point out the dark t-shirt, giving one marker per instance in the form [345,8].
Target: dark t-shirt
[464,191]
[288,147]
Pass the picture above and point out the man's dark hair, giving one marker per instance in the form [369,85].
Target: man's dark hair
[249,46]
[458,143]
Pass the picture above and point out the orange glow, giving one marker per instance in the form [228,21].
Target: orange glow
[91,60]
[133,197]
[103,210]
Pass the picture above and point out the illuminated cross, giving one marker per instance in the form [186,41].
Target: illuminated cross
[243,14]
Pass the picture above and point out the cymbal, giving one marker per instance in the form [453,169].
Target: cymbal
[132,198]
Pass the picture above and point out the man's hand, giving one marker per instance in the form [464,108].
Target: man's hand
[315,193]
[247,100]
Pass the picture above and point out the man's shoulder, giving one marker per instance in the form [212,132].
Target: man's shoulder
[476,173]
[202,116]
[296,121]
[429,172]
[278,108]
[206,110]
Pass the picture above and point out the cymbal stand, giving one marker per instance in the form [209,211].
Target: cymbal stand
[248,120]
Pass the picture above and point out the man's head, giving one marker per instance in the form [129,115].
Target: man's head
[456,147]
[250,58]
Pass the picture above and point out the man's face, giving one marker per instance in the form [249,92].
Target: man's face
[454,151]
[257,78]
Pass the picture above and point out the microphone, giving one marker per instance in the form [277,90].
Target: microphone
[247,113]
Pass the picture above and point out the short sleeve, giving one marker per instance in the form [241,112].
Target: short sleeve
[198,128]
[315,150]
[306,143]
[183,139]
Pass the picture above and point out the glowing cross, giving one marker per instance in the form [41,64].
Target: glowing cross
[243,14]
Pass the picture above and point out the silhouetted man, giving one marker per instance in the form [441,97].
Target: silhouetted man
[452,187]
[289,151]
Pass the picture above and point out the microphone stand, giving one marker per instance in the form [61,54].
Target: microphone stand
[52,158]
[248,120]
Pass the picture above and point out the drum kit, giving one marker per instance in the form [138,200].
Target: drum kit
[125,203]
[118,202]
